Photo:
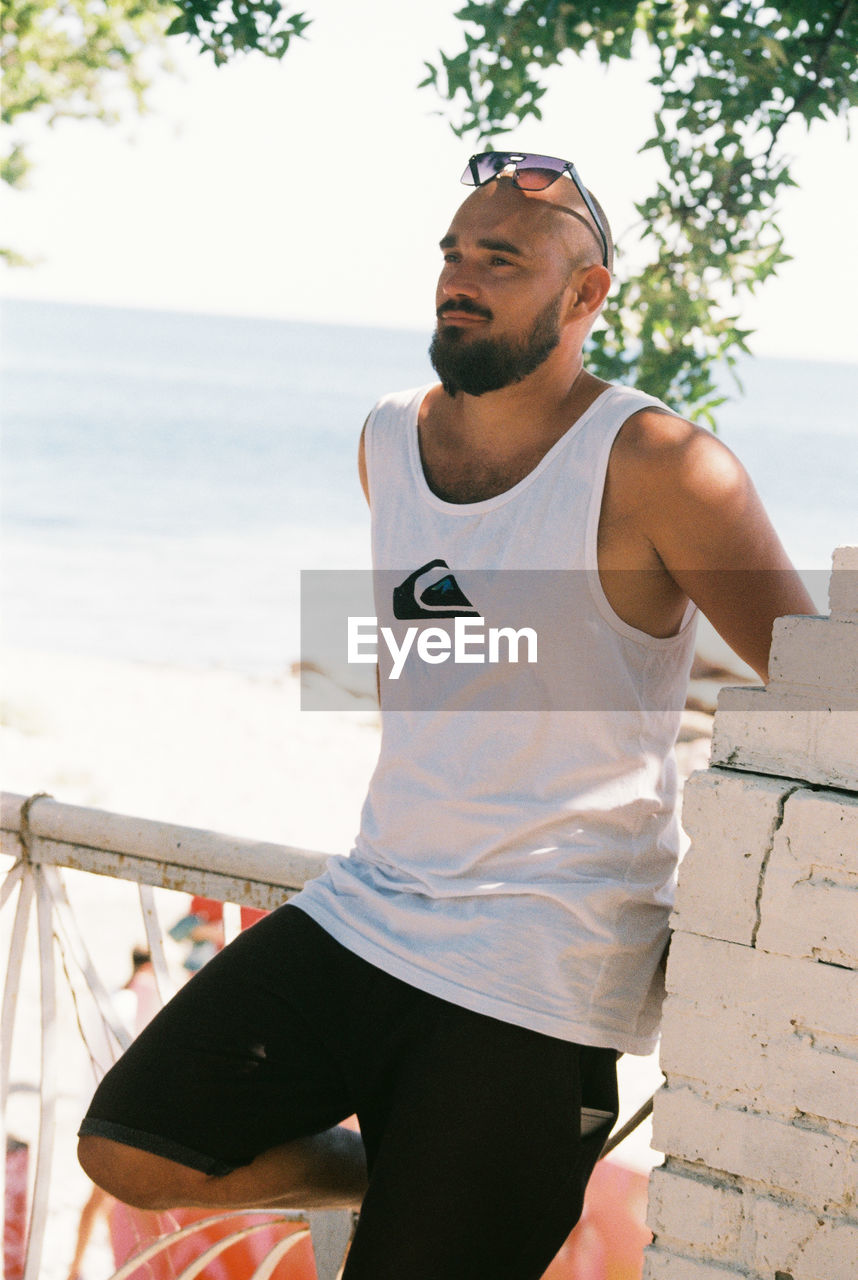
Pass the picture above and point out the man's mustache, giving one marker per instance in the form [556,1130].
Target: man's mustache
[465,305]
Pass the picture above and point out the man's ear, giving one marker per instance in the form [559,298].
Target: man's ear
[591,290]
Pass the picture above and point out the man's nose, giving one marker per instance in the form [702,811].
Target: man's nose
[458,280]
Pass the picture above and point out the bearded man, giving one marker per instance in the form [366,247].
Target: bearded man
[465,980]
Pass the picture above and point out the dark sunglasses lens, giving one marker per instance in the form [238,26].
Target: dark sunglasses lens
[535,179]
[532,172]
[490,164]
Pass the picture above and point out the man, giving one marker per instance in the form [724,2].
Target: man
[465,980]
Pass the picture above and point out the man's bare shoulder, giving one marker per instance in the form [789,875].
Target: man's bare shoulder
[658,435]
[692,503]
[658,452]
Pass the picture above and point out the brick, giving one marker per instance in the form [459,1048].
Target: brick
[809,900]
[731,818]
[778,731]
[822,828]
[745,1065]
[806,1162]
[689,1210]
[662,1265]
[803,1243]
[814,654]
[759,1030]
[843,585]
[713,974]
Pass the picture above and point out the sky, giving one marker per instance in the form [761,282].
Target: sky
[318,188]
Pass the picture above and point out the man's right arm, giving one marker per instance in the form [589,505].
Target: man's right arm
[364,478]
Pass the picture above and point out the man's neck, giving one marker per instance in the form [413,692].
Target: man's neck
[532,413]
[474,447]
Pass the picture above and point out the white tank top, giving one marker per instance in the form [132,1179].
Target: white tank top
[517,861]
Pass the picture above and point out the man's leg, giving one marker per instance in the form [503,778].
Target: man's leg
[477,1165]
[231,1095]
[324,1171]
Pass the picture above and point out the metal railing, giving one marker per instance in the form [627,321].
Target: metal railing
[42,836]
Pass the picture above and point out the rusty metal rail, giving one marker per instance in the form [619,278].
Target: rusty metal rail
[42,836]
[251,872]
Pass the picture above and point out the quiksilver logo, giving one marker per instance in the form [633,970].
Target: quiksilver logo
[432,592]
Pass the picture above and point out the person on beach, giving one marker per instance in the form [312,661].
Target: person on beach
[136,1002]
[465,980]
[202,927]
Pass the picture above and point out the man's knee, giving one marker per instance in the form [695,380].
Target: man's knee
[136,1177]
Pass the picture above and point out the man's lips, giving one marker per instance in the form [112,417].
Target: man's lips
[453,315]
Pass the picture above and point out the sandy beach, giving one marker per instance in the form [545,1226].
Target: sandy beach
[205,748]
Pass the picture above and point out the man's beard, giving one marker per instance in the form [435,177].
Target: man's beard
[478,365]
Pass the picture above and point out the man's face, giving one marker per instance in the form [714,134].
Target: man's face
[501,292]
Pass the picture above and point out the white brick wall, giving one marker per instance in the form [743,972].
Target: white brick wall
[696,1211]
[731,819]
[795,1051]
[809,904]
[843,591]
[781,733]
[804,1246]
[759,1115]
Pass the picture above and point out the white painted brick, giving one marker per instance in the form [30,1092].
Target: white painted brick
[835,754]
[744,1064]
[843,585]
[661,1265]
[703,1216]
[803,1244]
[822,827]
[809,901]
[779,732]
[824,1085]
[730,818]
[810,919]
[760,1031]
[805,1162]
[711,974]
[746,1068]
[720,1057]
[764,1031]
[816,654]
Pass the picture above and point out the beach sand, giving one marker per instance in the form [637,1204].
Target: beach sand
[199,747]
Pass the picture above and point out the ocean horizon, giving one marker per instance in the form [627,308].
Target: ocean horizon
[168,475]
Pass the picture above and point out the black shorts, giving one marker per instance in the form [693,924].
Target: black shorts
[472,1126]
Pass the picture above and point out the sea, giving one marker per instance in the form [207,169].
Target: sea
[166,476]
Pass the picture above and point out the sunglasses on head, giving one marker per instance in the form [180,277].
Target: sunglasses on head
[531,173]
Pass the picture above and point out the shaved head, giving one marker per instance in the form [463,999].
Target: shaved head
[522,276]
[558,209]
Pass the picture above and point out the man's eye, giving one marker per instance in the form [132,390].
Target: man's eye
[500,262]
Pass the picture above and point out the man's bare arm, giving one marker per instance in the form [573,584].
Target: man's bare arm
[706,526]
[362,472]
[364,484]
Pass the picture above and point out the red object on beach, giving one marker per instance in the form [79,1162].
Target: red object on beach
[610,1238]
[210,910]
[15,1215]
[132,1230]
